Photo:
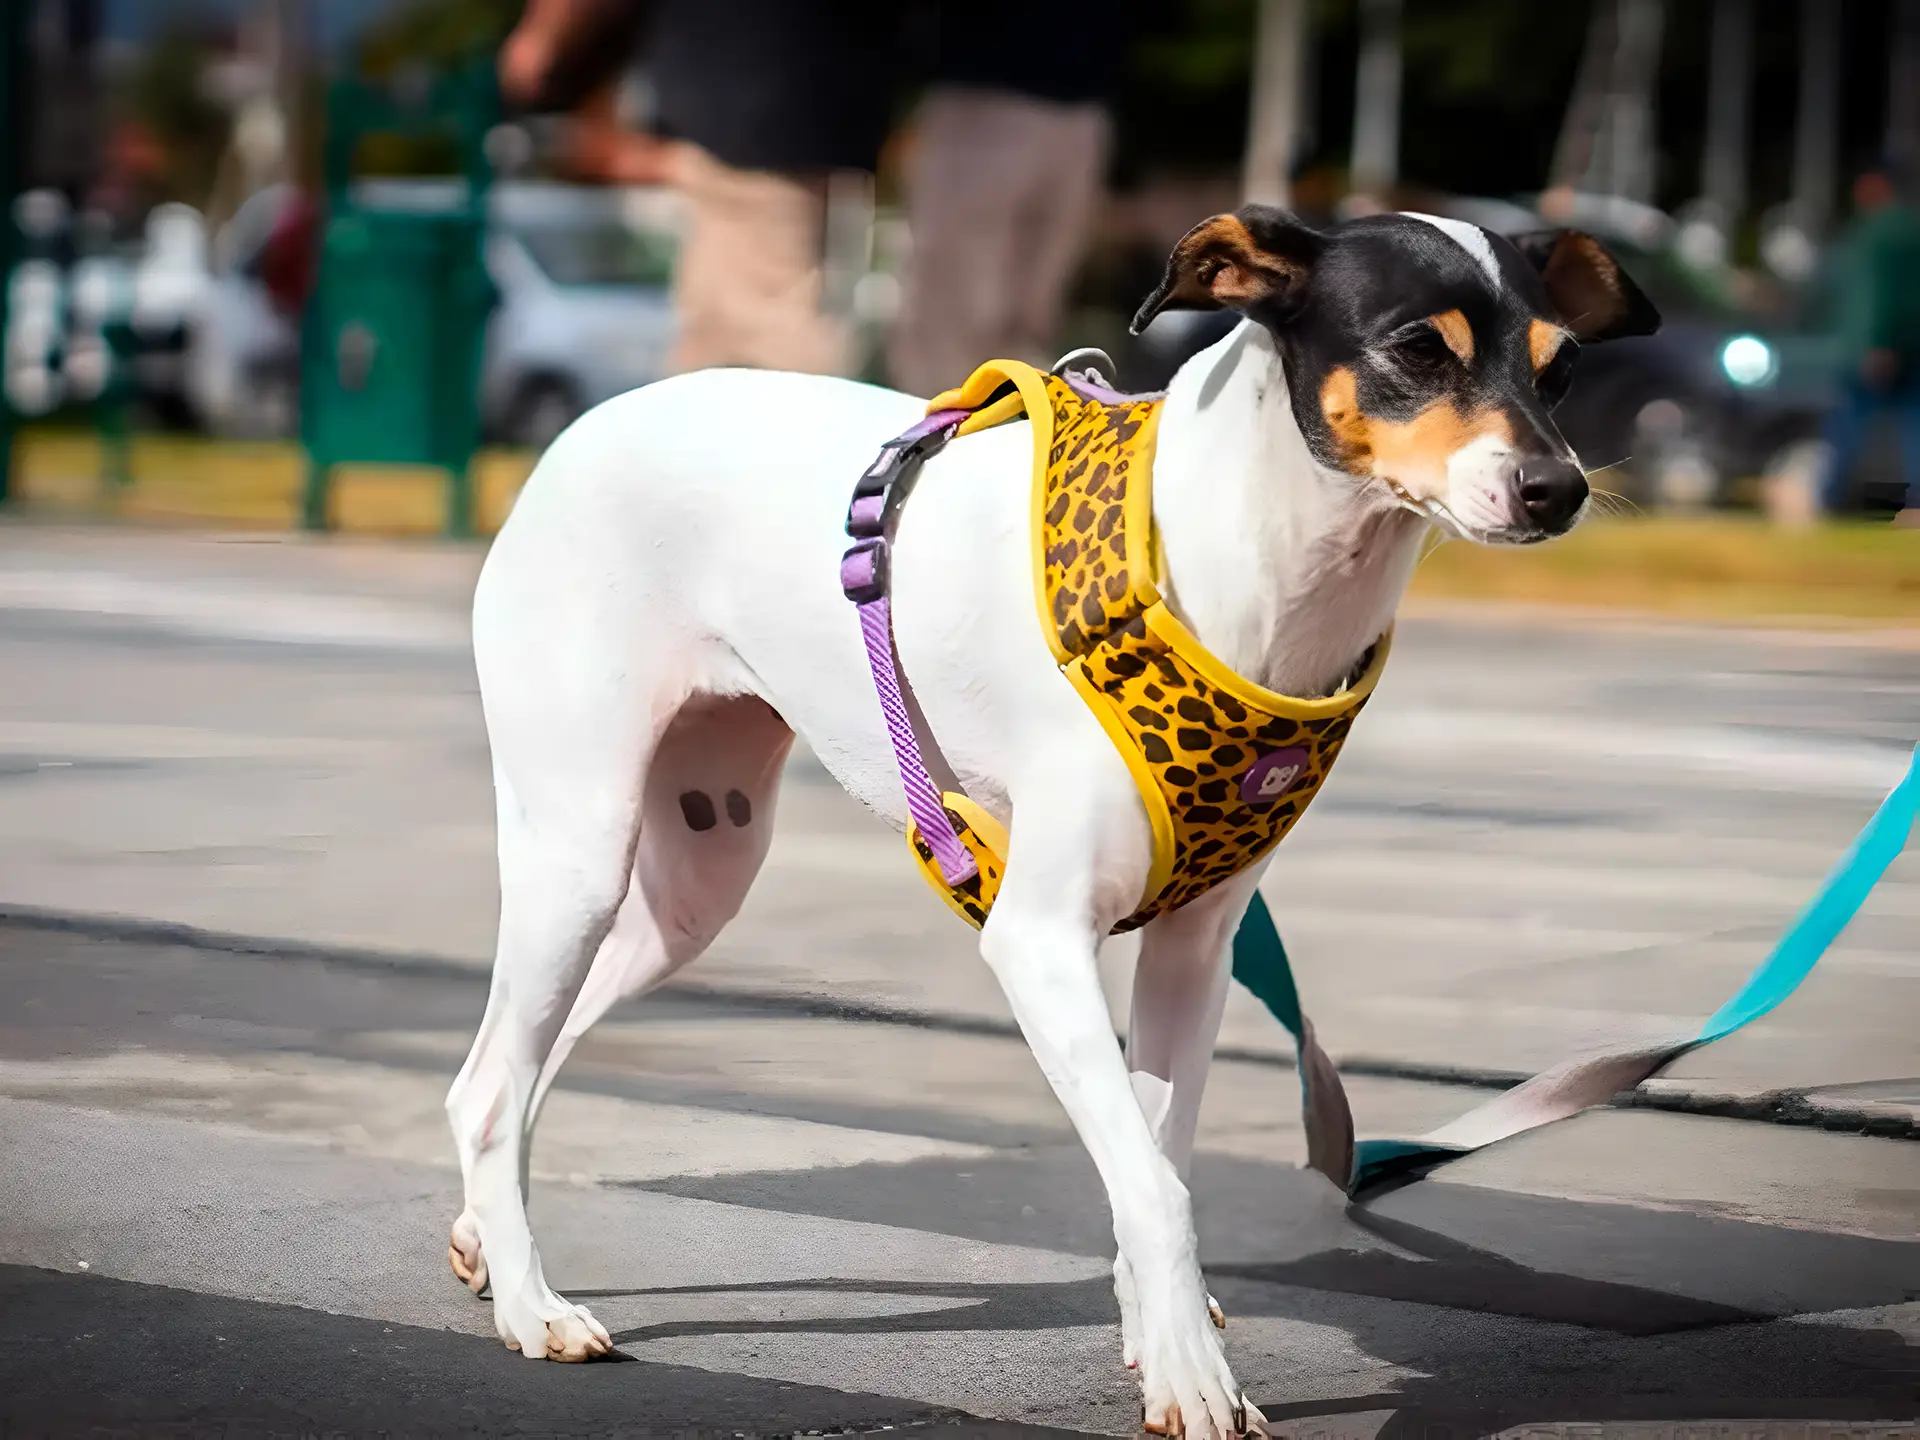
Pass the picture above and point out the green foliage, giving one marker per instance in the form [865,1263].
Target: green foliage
[1183,100]
[438,34]
[1198,46]
[1509,54]
[166,96]
[435,37]
[1482,68]
[1470,65]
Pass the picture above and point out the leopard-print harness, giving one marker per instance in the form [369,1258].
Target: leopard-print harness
[1224,767]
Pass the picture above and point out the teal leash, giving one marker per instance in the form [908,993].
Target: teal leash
[1828,913]
[1260,963]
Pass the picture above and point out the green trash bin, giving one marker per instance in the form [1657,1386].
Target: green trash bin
[394,333]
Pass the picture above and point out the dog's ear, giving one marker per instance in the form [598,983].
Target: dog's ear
[1591,295]
[1257,256]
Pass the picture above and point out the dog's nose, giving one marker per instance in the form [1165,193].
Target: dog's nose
[1552,492]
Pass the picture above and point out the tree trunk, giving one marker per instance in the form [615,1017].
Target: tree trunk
[1273,120]
[1574,154]
[1723,166]
[1376,105]
[1816,128]
[1636,68]
[1903,89]
[1606,144]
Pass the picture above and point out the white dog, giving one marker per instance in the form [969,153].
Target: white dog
[662,614]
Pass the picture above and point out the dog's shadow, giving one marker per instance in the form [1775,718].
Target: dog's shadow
[1047,1305]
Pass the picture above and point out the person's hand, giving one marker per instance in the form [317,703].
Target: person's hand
[1880,368]
[525,60]
[527,55]
[596,147]
[563,49]
[609,155]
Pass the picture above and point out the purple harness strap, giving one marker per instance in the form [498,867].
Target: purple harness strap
[863,577]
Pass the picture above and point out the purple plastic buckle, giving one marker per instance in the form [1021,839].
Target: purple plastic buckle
[875,479]
[867,515]
[863,571]
[897,460]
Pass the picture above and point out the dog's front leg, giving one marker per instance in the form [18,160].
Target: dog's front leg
[1041,939]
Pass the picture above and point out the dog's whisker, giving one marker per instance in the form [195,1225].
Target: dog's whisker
[1612,502]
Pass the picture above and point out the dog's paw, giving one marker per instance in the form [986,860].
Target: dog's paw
[1186,1385]
[1247,1422]
[571,1335]
[463,1253]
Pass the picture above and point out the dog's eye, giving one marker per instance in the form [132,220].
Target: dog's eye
[1421,349]
[1556,375]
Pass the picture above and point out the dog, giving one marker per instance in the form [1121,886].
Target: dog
[659,617]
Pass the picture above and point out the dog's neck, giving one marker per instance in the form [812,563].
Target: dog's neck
[1283,568]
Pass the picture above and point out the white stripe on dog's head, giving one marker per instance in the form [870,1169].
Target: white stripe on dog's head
[1470,238]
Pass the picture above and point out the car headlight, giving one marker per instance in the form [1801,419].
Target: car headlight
[1749,361]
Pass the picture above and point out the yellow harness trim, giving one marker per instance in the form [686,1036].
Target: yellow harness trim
[1224,767]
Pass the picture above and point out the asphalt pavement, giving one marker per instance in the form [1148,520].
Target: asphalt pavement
[229,1185]
[821,1186]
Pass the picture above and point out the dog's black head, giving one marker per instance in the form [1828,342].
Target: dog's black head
[1424,354]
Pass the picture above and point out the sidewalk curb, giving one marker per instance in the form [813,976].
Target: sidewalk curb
[1781,1107]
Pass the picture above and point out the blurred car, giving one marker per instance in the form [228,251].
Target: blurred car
[163,296]
[1720,394]
[35,341]
[583,314]
[243,365]
[78,282]
[585,311]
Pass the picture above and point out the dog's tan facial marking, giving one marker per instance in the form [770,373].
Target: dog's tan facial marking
[1455,330]
[1544,340]
[1411,455]
[1414,455]
[1340,404]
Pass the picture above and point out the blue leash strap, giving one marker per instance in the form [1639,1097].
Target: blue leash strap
[1828,913]
[1260,963]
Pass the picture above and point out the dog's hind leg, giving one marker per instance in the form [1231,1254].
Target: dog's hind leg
[707,818]
[1179,992]
[572,730]
[565,855]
